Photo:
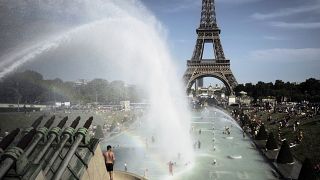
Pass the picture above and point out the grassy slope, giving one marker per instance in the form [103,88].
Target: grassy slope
[310,145]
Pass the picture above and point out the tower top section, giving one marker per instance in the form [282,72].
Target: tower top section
[208,16]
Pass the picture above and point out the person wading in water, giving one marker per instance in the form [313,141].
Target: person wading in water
[170,168]
[109,160]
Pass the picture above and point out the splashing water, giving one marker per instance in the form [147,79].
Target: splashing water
[13,61]
[130,40]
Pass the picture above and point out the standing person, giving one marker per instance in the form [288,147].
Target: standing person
[153,139]
[214,162]
[199,144]
[109,159]
[170,168]
[125,167]
[145,174]
[25,109]
[147,143]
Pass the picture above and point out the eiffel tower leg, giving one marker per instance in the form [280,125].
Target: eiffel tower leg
[218,49]
[200,82]
[196,86]
[232,82]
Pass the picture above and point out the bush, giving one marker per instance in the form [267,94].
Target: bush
[271,142]
[307,172]
[285,155]
[262,134]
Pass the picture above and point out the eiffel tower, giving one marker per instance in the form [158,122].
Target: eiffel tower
[219,66]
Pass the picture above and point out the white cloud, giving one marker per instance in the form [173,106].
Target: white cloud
[296,25]
[286,55]
[287,12]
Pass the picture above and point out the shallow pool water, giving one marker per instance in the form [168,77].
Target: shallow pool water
[219,155]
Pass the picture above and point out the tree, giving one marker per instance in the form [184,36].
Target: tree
[285,156]
[279,84]
[262,134]
[238,89]
[307,172]
[30,87]
[271,142]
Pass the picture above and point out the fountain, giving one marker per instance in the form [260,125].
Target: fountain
[123,39]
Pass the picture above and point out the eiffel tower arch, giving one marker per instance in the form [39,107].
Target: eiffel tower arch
[218,67]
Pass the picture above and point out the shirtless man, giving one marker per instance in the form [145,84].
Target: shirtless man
[109,160]
[170,168]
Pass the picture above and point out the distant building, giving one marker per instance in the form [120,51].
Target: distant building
[141,106]
[244,99]
[125,105]
[208,91]
[271,100]
[232,100]
[81,82]
[63,104]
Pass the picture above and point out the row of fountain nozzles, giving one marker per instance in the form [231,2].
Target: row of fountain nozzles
[31,137]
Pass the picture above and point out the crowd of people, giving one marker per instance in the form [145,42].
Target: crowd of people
[285,120]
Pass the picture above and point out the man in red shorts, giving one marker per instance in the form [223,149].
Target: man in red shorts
[170,168]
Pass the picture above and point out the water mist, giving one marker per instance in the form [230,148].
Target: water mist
[126,40]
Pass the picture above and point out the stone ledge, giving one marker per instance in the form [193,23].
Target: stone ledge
[121,175]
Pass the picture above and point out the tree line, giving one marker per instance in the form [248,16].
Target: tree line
[308,90]
[30,87]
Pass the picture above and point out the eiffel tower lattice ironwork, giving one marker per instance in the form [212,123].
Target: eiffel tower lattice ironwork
[219,66]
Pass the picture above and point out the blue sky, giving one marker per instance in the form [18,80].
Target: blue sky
[265,40]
